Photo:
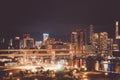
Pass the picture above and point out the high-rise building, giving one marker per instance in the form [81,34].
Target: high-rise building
[3,41]
[95,41]
[50,41]
[109,44]
[78,40]
[10,45]
[38,44]
[117,31]
[117,36]
[16,43]
[91,33]
[26,35]
[45,37]
[28,42]
[81,40]
[74,40]
[103,40]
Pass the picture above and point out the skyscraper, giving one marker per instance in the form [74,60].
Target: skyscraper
[117,36]
[117,31]
[28,42]
[3,41]
[16,43]
[103,40]
[45,37]
[78,40]
[95,41]
[74,40]
[91,33]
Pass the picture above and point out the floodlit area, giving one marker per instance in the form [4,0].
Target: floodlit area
[33,68]
[43,66]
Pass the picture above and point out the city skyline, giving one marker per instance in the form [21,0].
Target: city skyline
[64,37]
[58,17]
[59,40]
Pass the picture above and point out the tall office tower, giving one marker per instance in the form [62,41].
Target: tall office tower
[103,40]
[3,41]
[117,31]
[91,33]
[78,40]
[28,42]
[95,41]
[16,42]
[11,42]
[81,40]
[74,40]
[110,44]
[50,41]
[117,36]
[45,37]
[38,44]
[10,45]
[26,35]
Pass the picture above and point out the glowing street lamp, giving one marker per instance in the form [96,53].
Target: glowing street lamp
[35,79]
[10,75]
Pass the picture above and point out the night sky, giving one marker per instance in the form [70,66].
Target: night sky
[58,17]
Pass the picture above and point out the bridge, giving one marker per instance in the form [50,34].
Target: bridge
[36,52]
[41,52]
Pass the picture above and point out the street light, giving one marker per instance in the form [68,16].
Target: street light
[106,74]
[35,79]
[10,75]
[17,79]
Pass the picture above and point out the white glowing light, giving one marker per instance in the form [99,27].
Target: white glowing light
[75,66]
[59,66]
